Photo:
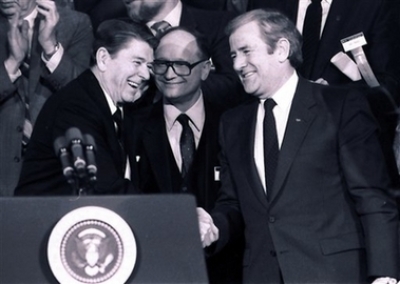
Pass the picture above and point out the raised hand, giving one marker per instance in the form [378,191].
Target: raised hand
[18,42]
[49,18]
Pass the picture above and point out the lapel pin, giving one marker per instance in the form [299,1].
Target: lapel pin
[298,119]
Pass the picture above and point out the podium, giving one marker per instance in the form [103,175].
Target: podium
[165,230]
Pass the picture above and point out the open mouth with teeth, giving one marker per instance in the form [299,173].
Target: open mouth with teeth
[133,84]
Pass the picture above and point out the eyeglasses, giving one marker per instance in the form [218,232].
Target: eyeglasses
[181,68]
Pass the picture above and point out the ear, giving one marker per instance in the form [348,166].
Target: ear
[205,70]
[102,58]
[282,49]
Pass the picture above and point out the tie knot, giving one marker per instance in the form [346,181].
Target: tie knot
[183,119]
[316,1]
[269,104]
[160,27]
[117,116]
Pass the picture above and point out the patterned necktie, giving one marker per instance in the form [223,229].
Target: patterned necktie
[271,148]
[311,35]
[186,143]
[160,27]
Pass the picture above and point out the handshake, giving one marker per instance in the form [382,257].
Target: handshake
[209,233]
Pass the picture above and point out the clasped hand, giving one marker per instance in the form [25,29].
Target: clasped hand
[209,233]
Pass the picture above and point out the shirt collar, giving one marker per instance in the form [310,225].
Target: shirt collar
[196,114]
[172,18]
[284,96]
[31,18]
[111,105]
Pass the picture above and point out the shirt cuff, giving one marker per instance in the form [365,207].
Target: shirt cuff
[52,64]
[13,77]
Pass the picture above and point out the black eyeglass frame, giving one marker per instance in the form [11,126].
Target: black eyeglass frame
[169,64]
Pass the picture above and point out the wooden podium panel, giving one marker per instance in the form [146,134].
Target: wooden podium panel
[165,228]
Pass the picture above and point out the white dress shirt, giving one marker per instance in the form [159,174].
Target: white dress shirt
[174,129]
[301,13]
[283,99]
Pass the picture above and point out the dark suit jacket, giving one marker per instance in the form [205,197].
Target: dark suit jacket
[375,18]
[329,219]
[74,32]
[159,173]
[80,104]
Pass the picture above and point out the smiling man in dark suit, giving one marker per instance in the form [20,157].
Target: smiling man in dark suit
[178,148]
[221,87]
[302,166]
[118,75]
[42,48]
[341,19]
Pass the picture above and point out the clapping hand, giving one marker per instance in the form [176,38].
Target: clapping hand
[47,10]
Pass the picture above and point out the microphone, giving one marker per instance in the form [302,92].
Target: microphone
[90,149]
[74,136]
[60,148]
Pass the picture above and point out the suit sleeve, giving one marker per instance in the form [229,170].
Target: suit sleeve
[226,215]
[366,177]
[77,49]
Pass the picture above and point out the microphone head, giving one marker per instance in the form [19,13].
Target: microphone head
[73,133]
[59,144]
[89,141]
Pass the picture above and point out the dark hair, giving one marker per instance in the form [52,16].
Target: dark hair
[200,40]
[273,26]
[114,35]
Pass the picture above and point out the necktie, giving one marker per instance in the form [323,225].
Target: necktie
[271,148]
[117,116]
[311,35]
[160,27]
[186,143]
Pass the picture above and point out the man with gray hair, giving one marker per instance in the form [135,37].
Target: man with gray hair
[302,171]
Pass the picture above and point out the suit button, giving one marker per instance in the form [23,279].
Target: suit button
[19,128]
[184,189]
[271,219]
[17,159]
[272,253]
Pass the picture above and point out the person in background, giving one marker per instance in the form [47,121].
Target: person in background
[94,104]
[222,87]
[42,48]
[302,171]
[178,147]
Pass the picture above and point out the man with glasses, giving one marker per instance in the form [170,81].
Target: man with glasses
[178,147]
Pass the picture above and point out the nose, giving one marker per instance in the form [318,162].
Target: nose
[169,74]
[239,62]
[144,72]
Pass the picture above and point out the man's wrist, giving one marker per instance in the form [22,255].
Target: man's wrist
[49,55]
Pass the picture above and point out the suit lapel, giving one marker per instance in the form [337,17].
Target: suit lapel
[156,144]
[89,82]
[187,20]
[245,142]
[300,119]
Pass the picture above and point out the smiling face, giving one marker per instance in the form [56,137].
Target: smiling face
[259,70]
[182,91]
[124,74]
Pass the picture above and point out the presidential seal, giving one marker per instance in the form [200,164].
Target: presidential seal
[92,245]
